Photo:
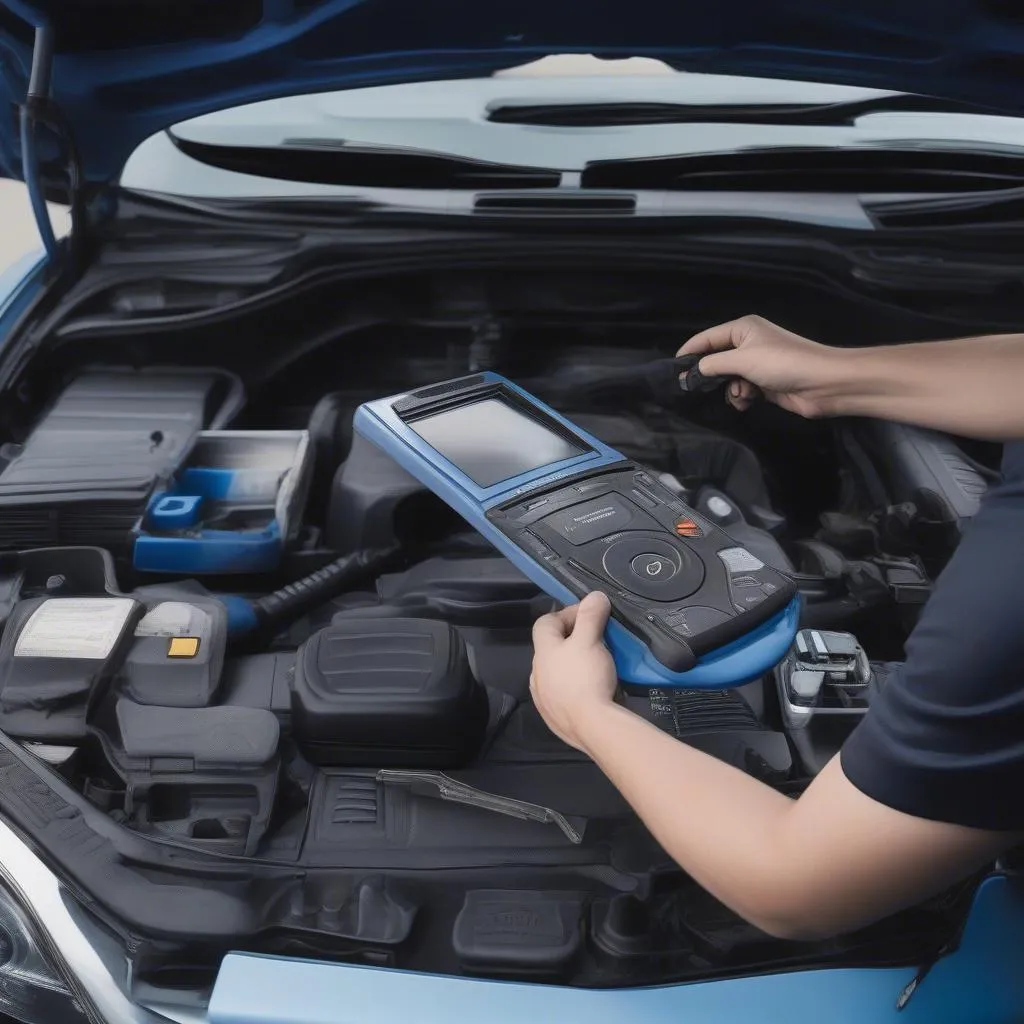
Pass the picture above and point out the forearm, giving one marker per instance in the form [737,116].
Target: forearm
[721,826]
[830,862]
[969,386]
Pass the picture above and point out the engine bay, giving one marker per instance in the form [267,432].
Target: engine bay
[236,630]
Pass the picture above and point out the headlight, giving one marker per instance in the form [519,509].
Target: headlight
[31,989]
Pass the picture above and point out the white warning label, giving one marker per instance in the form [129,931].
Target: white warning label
[596,516]
[74,627]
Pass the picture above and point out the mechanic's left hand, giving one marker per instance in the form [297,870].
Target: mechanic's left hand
[573,672]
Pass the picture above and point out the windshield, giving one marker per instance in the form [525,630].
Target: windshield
[545,124]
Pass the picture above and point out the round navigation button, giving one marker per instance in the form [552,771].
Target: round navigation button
[653,567]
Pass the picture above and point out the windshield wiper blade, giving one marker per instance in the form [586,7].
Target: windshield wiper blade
[806,169]
[601,115]
[986,209]
[327,163]
[437,784]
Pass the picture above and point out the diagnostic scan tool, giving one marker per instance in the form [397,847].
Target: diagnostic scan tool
[690,607]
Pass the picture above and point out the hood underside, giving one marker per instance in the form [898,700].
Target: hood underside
[123,70]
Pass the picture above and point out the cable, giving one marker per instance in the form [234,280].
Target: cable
[273,611]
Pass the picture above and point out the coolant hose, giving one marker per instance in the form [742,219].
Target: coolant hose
[274,611]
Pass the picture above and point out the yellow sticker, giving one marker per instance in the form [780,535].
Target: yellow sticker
[183,647]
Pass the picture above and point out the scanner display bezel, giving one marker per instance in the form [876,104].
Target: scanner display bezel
[425,403]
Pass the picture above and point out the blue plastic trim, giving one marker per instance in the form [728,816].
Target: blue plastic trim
[732,665]
[211,552]
[176,511]
[202,552]
[980,983]
[739,662]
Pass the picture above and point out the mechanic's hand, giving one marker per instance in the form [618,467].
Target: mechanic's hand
[793,372]
[573,672]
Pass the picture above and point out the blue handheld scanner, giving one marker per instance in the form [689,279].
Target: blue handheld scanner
[690,607]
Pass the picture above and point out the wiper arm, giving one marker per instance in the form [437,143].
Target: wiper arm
[599,115]
[437,784]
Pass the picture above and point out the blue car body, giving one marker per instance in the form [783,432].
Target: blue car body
[979,982]
[125,79]
[115,98]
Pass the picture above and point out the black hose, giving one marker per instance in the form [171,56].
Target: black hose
[273,611]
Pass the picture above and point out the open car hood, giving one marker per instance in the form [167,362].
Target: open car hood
[122,70]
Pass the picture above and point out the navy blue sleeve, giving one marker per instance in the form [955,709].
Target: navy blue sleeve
[944,739]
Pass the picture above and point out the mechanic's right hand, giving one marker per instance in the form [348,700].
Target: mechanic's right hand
[573,673]
[793,372]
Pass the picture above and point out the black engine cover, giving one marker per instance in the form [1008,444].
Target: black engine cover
[394,692]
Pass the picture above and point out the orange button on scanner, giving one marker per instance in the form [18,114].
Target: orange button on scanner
[687,528]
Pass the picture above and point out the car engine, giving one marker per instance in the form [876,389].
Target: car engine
[270,669]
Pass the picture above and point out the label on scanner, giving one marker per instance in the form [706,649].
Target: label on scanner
[590,520]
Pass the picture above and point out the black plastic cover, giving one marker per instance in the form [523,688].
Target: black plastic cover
[89,465]
[899,463]
[47,699]
[483,588]
[197,773]
[394,692]
[149,676]
[54,572]
[717,932]
[205,738]
[518,931]
[721,723]
[367,491]
[260,681]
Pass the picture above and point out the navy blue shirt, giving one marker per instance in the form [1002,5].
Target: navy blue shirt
[944,739]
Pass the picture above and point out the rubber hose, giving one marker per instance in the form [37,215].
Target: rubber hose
[290,602]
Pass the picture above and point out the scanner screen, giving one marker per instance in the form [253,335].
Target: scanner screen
[491,441]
